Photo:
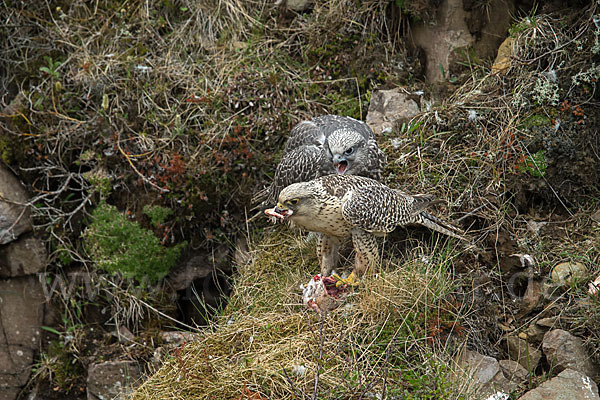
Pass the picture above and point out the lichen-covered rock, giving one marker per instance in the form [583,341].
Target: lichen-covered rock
[568,385]
[566,273]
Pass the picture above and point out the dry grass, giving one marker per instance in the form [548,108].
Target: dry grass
[266,342]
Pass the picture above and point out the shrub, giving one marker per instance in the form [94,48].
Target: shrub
[118,245]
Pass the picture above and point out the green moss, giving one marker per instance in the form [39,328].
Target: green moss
[536,120]
[118,245]
[157,214]
[13,148]
[534,164]
[6,151]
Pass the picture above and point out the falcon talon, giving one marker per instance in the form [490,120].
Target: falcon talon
[349,281]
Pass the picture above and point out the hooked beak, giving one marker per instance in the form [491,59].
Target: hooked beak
[280,212]
[340,164]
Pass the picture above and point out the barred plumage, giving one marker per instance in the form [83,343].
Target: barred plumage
[328,144]
[339,206]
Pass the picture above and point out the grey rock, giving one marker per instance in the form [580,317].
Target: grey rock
[564,350]
[522,352]
[21,314]
[24,256]
[112,380]
[513,371]
[484,373]
[484,368]
[14,218]
[389,106]
[568,385]
[9,393]
[124,335]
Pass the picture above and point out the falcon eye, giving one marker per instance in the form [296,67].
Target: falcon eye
[293,202]
[349,151]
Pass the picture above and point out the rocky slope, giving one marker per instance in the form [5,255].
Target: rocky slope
[133,136]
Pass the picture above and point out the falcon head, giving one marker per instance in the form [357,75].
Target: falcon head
[348,150]
[295,200]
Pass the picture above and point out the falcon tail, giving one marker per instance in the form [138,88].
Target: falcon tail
[436,224]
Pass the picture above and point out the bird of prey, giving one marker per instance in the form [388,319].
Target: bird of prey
[328,144]
[341,206]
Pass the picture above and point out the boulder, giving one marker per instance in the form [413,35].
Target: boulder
[112,379]
[24,256]
[21,315]
[568,385]
[522,352]
[389,106]
[14,218]
[564,350]
[485,373]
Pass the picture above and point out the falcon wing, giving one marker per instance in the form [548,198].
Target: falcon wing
[299,165]
[304,134]
[377,208]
